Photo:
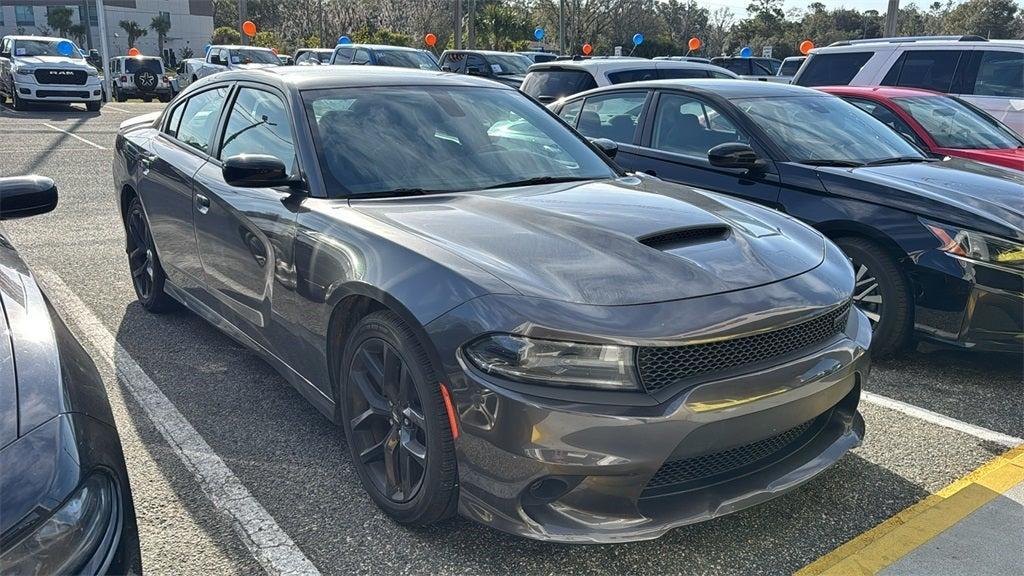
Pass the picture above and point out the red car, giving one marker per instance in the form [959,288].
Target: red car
[941,124]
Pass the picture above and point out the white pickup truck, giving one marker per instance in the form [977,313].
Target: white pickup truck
[221,58]
[44,69]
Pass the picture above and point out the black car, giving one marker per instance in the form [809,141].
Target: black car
[383,55]
[938,245]
[505,67]
[503,323]
[65,503]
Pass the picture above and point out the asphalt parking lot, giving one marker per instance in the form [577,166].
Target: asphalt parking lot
[294,465]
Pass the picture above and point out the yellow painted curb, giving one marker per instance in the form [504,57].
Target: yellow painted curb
[893,539]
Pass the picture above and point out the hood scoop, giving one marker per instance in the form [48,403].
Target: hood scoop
[679,237]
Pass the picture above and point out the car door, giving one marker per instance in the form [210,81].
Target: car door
[172,159]
[678,132]
[245,235]
[612,115]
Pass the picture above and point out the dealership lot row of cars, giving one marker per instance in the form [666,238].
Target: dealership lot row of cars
[209,190]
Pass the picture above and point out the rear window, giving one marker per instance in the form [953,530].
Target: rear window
[550,85]
[836,69]
[735,65]
[789,67]
[134,65]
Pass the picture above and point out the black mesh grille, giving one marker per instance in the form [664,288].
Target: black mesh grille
[52,76]
[708,465]
[663,366]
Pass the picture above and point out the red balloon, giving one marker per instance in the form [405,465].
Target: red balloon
[430,40]
[587,49]
[134,52]
[694,44]
[249,27]
[806,46]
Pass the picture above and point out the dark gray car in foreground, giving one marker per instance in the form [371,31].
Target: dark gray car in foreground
[503,322]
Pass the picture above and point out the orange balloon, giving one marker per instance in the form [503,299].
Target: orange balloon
[806,46]
[587,49]
[430,40]
[249,27]
[134,52]
[694,44]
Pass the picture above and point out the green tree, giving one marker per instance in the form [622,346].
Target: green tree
[59,18]
[133,30]
[225,35]
[78,32]
[266,39]
[311,42]
[498,26]
[161,24]
[988,18]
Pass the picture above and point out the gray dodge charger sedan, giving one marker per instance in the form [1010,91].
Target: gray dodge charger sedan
[504,323]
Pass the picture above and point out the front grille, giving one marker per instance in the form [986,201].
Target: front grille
[61,94]
[709,465]
[665,365]
[57,76]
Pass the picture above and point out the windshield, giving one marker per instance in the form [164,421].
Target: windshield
[441,139]
[406,59]
[954,125]
[247,56]
[43,48]
[133,65]
[324,57]
[509,64]
[816,128]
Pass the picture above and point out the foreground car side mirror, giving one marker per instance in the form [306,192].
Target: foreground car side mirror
[734,155]
[609,147]
[256,171]
[23,196]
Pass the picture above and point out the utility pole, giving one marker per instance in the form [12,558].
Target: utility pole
[458,24]
[101,19]
[472,24]
[561,27]
[243,15]
[890,18]
[321,34]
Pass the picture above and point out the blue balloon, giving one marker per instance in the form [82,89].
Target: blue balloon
[746,52]
[538,34]
[206,50]
[638,39]
[344,40]
[65,48]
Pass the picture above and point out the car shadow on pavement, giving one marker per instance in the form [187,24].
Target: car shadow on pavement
[296,464]
[50,111]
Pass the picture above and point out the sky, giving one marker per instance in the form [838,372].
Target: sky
[740,6]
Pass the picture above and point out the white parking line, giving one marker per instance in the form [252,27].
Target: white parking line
[267,542]
[941,420]
[75,136]
[116,109]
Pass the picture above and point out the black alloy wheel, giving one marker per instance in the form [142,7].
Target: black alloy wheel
[880,291]
[147,274]
[396,423]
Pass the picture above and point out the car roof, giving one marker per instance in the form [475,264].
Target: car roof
[898,44]
[315,50]
[883,91]
[233,46]
[30,37]
[320,77]
[381,47]
[726,88]
[489,52]
[613,64]
[139,57]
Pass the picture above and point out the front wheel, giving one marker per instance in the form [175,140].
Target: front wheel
[16,102]
[881,292]
[93,106]
[395,422]
[147,274]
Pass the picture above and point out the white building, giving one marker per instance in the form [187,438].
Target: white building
[191,23]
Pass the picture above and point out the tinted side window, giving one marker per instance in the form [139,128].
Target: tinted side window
[734,65]
[570,112]
[344,55]
[889,118]
[928,69]
[174,120]
[455,62]
[476,64]
[686,125]
[361,57]
[1000,74]
[832,69]
[259,124]
[632,75]
[550,85]
[200,118]
[667,73]
[613,116]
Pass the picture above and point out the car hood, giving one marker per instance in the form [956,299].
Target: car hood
[972,194]
[52,62]
[610,242]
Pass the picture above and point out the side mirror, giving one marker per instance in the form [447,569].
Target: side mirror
[733,155]
[609,147]
[23,196]
[446,68]
[255,171]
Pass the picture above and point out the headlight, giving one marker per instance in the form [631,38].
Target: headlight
[977,246]
[571,364]
[92,72]
[23,70]
[66,541]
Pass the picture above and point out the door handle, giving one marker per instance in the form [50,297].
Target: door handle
[202,204]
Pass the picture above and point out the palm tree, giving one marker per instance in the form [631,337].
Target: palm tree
[59,18]
[133,30]
[78,32]
[161,24]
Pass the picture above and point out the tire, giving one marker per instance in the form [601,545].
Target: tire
[118,95]
[93,106]
[427,490]
[147,274]
[147,98]
[881,292]
[165,98]
[16,102]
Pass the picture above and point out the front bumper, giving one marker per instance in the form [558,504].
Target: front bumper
[28,89]
[968,305]
[591,467]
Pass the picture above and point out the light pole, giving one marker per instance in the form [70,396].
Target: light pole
[101,19]
[890,18]
[561,27]
[243,15]
[458,24]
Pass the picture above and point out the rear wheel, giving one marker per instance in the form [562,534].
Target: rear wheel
[147,273]
[395,422]
[881,292]
[118,95]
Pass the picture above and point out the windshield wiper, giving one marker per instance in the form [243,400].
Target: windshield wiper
[834,162]
[539,180]
[899,160]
